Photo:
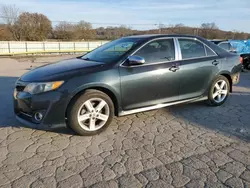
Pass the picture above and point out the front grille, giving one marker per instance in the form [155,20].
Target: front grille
[20,88]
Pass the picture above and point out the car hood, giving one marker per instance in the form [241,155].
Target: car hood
[55,70]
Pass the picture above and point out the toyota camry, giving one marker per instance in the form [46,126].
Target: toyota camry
[128,75]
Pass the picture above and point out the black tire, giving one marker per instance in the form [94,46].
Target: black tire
[211,101]
[75,106]
[248,65]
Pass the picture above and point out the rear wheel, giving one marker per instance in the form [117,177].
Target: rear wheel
[219,91]
[90,113]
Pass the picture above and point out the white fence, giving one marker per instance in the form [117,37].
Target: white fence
[23,47]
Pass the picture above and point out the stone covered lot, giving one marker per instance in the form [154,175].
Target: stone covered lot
[190,145]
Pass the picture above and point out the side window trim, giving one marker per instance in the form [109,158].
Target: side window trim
[230,45]
[205,50]
[195,39]
[215,54]
[177,55]
[206,47]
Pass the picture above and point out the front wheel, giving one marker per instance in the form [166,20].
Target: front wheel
[90,113]
[218,91]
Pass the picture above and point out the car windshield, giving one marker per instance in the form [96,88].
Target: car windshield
[112,51]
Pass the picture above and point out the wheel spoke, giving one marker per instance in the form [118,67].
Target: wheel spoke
[219,97]
[215,95]
[100,106]
[89,106]
[84,117]
[217,86]
[224,92]
[102,117]
[92,124]
[222,84]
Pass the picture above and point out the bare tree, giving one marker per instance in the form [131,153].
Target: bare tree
[209,30]
[33,26]
[110,33]
[84,31]
[10,14]
[5,33]
[209,26]
[64,31]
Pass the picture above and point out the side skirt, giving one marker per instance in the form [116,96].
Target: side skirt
[123,113]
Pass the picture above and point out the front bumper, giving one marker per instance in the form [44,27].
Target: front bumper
[39,126]
[52,105]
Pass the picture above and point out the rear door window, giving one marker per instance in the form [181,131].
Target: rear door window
[191,48]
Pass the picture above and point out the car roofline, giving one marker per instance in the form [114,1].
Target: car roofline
[153,36]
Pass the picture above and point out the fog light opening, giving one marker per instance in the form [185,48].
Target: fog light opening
[38,116]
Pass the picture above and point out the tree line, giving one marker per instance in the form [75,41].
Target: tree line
[28,26]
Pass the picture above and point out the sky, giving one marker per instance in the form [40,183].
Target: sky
[144,14]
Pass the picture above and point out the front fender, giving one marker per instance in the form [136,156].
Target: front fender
[107,81]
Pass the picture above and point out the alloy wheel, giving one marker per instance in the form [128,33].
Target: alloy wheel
[220,91]
[93,114]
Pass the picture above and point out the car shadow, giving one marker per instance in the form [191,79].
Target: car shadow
[7,117]
[230,119]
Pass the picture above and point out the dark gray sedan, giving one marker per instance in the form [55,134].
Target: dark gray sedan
[125,76]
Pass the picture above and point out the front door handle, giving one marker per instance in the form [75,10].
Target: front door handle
[215,62]
[174,68]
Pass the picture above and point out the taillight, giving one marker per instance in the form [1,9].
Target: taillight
[241,60]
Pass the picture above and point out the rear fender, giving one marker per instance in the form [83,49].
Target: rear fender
[228,75]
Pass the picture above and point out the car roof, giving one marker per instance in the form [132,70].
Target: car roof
[218,40]
[155,36]
[152,36]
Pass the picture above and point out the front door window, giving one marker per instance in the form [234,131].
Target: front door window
[157,51]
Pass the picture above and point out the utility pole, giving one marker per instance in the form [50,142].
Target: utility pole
[196,31]
[160,26]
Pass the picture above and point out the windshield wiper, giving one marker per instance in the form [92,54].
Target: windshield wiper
[86,58]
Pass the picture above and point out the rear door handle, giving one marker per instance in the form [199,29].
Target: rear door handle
[215,62]
[174,68]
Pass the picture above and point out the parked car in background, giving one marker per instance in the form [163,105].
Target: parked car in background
[217,41]
[240,47]
[128,75]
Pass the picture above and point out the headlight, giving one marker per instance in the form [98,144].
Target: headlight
[34,88]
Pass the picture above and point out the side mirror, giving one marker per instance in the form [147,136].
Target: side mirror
[136,60]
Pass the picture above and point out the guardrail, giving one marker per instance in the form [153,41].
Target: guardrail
[43,52]
[8,48]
